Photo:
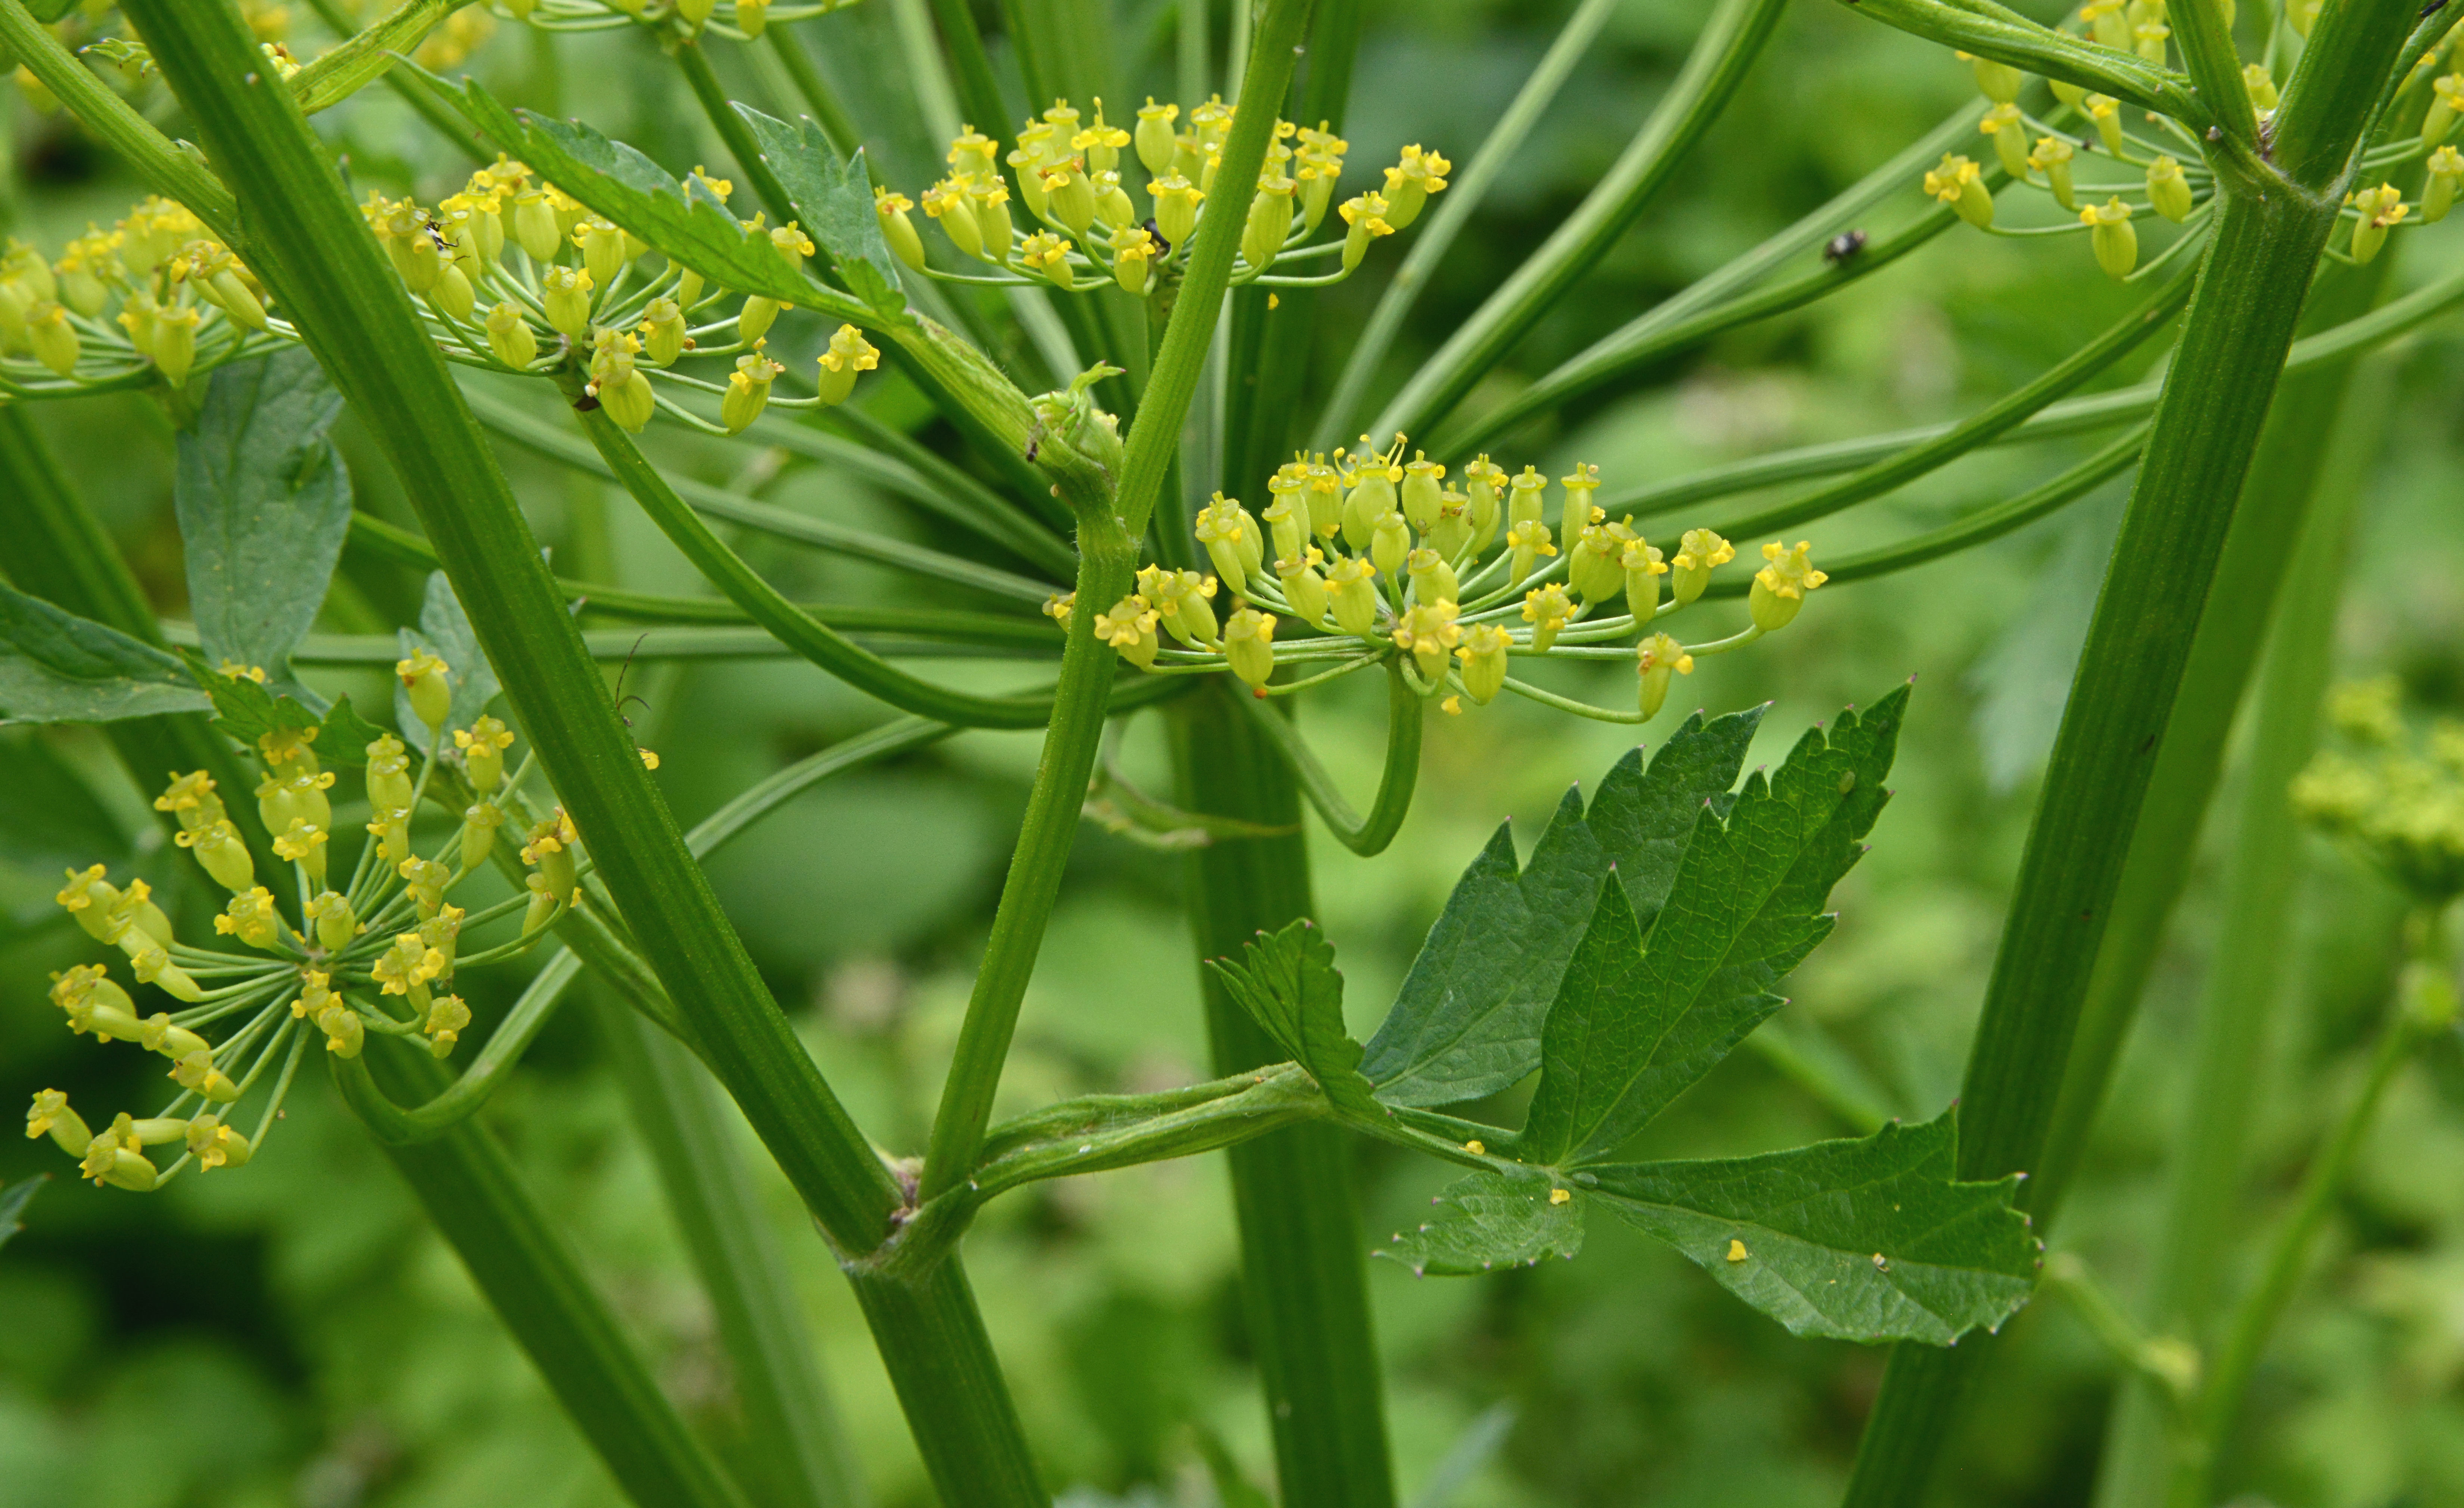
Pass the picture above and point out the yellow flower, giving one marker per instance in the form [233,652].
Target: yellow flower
[1780,586]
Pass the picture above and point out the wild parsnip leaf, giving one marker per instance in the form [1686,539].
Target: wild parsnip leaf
[834,204]
[346,736]
[57,667]
[1467,1021]
[264,501]
[1862,1240]
[444,631]
[684,221]
[1287,981]
[1626,1034]
[1487,1221]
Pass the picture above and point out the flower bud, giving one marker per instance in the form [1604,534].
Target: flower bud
[2446,107]
[1452,531]
[1324,493]
[627,397]
[1230,536]
[388,773]
[426,879]
[1698,551]
[1596,569]
[197,1074]
[1525,543]
[1133,256]
[157,1034]
[2110,237]
[344,1033]
[1049,255]
[565,294]
[550,850]
[1644,568]
[1548,609]
[429,681]
[174,347]
[1390,541]
[2261,85]
[53,338]
[792,245]
[2108,22]
[1250,645]
[2168,192]
[2150,38]
[535,228]
[51,1115]
[303,844]
[748,391]
[1999,82]
[2439,190]
[754,321]
[2009,136]
[451,296]
[1959,183]
[1269,221]
[509,335]
[849,354]
[251,918]
[1427,629]
[135,920]
[483,745]
[1482,655]
[1112,207]
[1656,659]
[1288,515]
[479,826]
[335,923]
[214,1145]
[1433,579]
[1351,583]
[221,853]
[1366,218]
[2106,111]
[153,966]
[2377,210]
[1422,498]
[1129,628]
[1176,206]
[2052,157]
[88,898]
[390,827]
[1154,136]
[897,230]
[753,16]
[1411,181]
[662,331]
[1780,586]
[1303,587]
[1371,498]
[447,1015]
[1484,489]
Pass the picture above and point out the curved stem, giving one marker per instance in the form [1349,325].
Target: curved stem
[1367,835]
[396,1126]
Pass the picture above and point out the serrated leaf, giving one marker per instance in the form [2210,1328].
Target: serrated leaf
[1287,981]
[833,202]
[57,667]
[444,631]
[1467,1021]
[247,711]
[13,1200]
[1862,1240]
[264,502]
[49,815]
[686,223]
[346,736]
[1487,1221]
[1742,913]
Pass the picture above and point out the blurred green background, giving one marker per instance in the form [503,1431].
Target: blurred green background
[292,1334]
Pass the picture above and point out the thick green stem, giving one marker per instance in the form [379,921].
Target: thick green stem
[476,1201]
[58,551]
[2233,343]
[1303,1256]
[941,1365]
[2245,984]
[793,1448]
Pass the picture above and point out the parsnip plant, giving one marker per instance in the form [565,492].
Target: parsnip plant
[1135,266]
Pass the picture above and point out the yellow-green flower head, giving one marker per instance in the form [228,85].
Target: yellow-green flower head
[2111,238]
[565,294]
[174,345]
[1325,498]
[388,773]
[2439,189]
[251,917]
[2168,192]
[1304,588]
[1129,628]
[447,1015]
[1101,142]
[2261,85]
[1657,658]
[849,354]
[289,746]
[946,202]
[191,800]
[111,1158]
[1049,255]
[2149,39]
[2377,211]
[1596,569]
[2446,107]
[1211,121]
[440,933]
[1698,553]
[214,1145]
[50,1116]
[1410,182]
[1351,582]
[1269,221]
[1176,206]
[53,340]
[1059,606]
[303,843]
[153,966]
[1483,657]
[1525,493]
[221,852]
[86,268]
[2009,134]
[88,898]
[1999,82]
[1231,540]
[988,201]
[345,1032]
[1548,609]
[2052,157]
[970,152]
[483,745]
[1433,578]
[428,682]
[1580,484]
[1644,567]
[335,921]
[1288,515]
[1526,542]
[2107,22]
[1250,645]
[748,390]
[1780,586]
[1452,532]
[2106,111]
[1184,598]
[509,338]
[1428,631]
[1422,498]
[1390,541]
[1959,183]
[896,229]
[1068,196]
[1369,216]
[1063,117]
[1155,136]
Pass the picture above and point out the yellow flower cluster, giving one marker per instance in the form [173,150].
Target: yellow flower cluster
[155,290]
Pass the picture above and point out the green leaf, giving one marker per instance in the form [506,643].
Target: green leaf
[1862,1240]
[1467,1021]
[1621,1043]
[57,667]
[49,815]
[264,501]
[1288,982]
[1487,1221]
[444,631]
[347,738]
[246,710]
[685,220]
[834,204]
[13,1200]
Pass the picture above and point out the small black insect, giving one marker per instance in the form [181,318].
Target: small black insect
[436,237]
[585,403]
[1163,247]
[2433,8]
[1843,245]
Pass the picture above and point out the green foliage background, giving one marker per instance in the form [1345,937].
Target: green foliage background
[293,1335]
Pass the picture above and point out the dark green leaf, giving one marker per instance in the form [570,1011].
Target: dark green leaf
[1487,1221]
[1743,911]
[264,501]
[1289,983]
[685,222]
[1467,1021]
[49,815]
[243,709]
[13,1200]
[346,736]
[57,667]
[1864,1240]
[834,204]
[444,631]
